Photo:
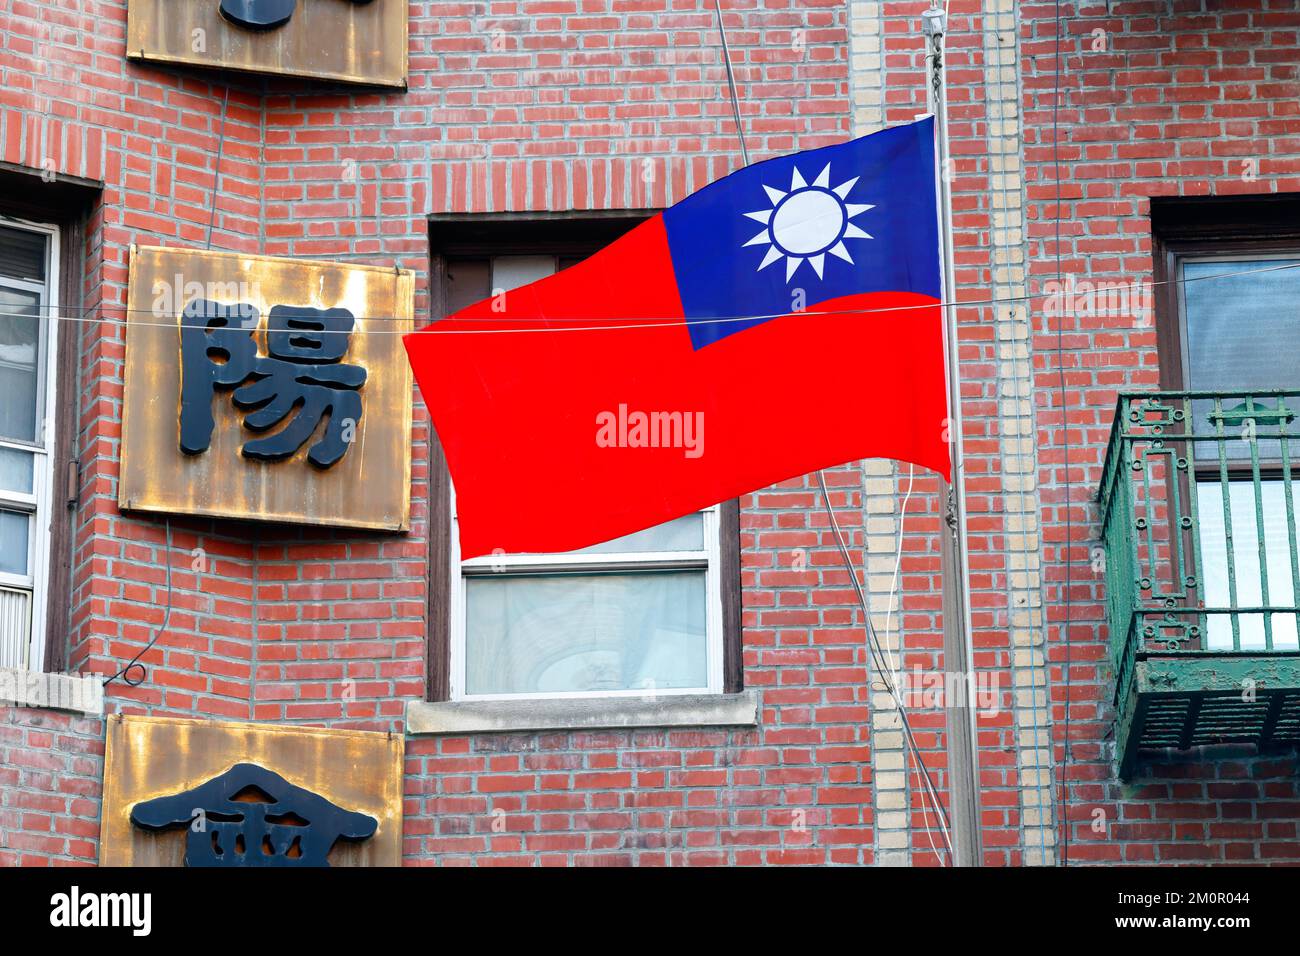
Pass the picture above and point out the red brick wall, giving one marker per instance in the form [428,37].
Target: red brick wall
[581,106]
[51,767]
[612,104]
[1159,100]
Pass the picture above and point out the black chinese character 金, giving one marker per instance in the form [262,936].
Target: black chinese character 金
[262,14]
[251,816]
[302,379]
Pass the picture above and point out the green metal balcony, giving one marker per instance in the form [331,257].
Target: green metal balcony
[1199,551]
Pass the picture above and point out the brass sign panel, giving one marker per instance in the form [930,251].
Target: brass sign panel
[350,41]
[267,389]
[148,760]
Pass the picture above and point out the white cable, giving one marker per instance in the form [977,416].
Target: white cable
[873,644]
[641,322]
[893,581]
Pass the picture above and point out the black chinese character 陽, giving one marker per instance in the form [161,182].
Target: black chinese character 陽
[303,378]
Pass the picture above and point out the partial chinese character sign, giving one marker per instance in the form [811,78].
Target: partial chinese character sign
[263,14]
[268,389]
[346,41]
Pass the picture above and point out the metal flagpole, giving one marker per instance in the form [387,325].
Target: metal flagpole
[958,651]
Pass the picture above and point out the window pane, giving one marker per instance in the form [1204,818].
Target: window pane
[1242,331]
[16,470]
[586,632]
[22,254]
[13,542]
[467,283]
[681,534]
[1245,561]
[15,626]
[510,272]
[19,336]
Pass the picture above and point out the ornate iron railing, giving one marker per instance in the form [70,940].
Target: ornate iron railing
[1199,549]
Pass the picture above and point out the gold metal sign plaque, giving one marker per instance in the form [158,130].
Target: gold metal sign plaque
[350,41]
[267,389]
[147,758]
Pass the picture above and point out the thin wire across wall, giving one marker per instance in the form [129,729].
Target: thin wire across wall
[67,313]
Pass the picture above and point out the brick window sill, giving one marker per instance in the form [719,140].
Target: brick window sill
[600,713]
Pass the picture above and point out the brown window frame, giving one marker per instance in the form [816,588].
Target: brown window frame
[1221,225]
[1185,228]
[567,235]
[1192,227]
[65,203]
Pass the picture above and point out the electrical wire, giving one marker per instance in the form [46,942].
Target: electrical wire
[134,662]
[731,83]
[898,564]
[629,323]
[216,169]
[1063,401]
[889,610]
[877,654]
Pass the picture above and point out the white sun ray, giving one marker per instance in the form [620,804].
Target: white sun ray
[808,223]
[773,253]
[842,190]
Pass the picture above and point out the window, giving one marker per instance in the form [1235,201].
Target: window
[28,257]
[652,612]
[1231,327]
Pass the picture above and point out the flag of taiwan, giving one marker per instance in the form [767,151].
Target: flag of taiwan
[783,319]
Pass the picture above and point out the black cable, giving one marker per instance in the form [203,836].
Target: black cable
[1063,788]
[731,82]
[216,169]
[124,673]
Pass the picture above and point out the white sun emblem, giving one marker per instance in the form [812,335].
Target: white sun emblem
[807,223]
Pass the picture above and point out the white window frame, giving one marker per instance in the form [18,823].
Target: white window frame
[709,560]
[40,502]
